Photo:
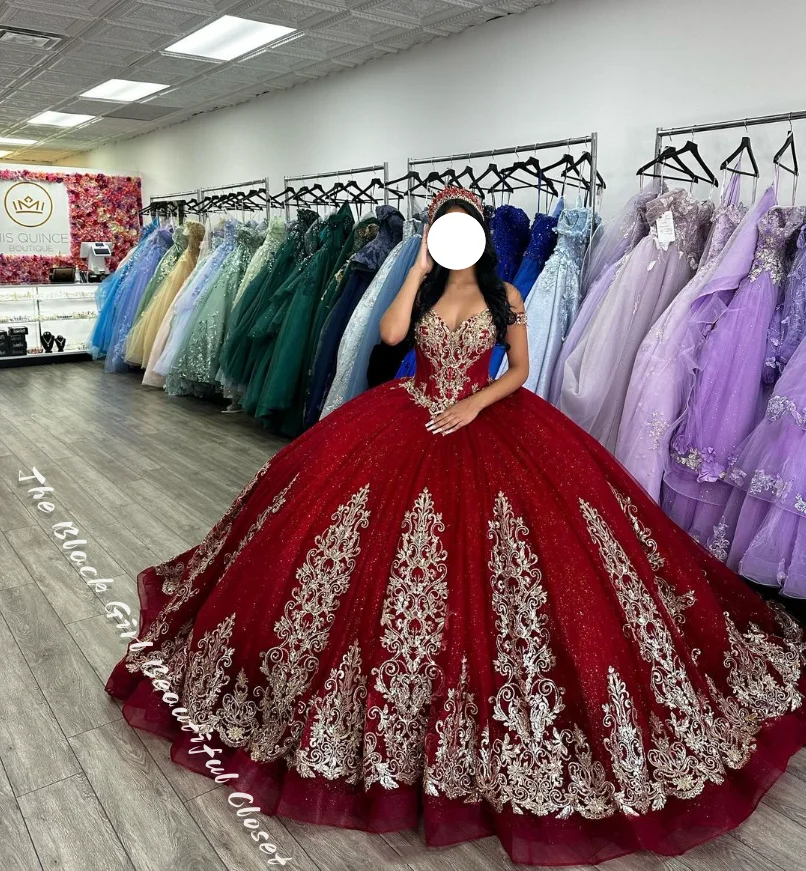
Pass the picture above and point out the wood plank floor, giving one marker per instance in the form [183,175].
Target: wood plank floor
[144,476]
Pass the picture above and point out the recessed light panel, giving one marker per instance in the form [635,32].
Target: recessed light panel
[13,140]
[228,37]
[123,91]
[59,119]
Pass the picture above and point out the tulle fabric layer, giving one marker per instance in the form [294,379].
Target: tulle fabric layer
[544,466]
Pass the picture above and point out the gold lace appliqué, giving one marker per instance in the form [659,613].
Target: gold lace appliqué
[333,746]
[451,353]
[304,628]
[413,619]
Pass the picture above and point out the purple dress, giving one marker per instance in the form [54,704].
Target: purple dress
[612,242]
[763,531]
[666,362]
[727,400]
[789,323]
[597,372]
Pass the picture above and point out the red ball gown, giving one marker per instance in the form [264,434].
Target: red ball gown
[496,631]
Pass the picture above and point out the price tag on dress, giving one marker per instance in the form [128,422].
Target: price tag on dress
[665,227]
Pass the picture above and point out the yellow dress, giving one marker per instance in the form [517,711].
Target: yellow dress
[142,336]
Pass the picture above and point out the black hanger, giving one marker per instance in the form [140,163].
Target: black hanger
[470,174]
[789,145]
[587,159]
[493,169]
[660,162]
[745,147]
[532,167]
[692,148]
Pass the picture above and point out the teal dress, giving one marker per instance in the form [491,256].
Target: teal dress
[238,355]
[196,366]
[286,355]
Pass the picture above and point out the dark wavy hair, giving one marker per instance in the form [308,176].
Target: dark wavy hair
[491,286]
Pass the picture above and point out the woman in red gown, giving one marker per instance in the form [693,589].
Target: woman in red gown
[448,602]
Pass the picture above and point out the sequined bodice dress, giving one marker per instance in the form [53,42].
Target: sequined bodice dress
[492,632]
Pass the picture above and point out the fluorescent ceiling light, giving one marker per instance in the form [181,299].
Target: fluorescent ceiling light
[4,153]
[123,91]
[12,140]
[59,119]
[228,37]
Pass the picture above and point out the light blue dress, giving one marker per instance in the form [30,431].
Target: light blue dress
[106,296]
[554,300]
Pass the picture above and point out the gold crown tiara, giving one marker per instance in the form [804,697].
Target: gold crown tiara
[454,193]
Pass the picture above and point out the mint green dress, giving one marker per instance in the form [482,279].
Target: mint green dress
[197,364]
[240,353]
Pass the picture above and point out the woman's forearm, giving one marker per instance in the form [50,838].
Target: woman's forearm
[508,383]
[396,321]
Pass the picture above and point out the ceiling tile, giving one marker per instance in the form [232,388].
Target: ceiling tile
[290,14]
[167,70]
[416,10]
[100,52]
[352,25]
[160,19]
[129,37]
[49,21]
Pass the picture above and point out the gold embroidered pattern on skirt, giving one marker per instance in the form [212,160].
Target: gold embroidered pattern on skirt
[332,747]
[304,628]
[206,674]
[694,744]
[527,767]
[413,620]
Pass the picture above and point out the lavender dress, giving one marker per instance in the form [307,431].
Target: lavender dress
[597,372]
[612,242]
[665,365]
[727,400]
[763,531]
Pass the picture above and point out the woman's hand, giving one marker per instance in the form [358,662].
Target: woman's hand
[425,263]
[455,417]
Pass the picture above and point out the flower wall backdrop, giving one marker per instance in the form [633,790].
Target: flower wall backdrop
[102,207]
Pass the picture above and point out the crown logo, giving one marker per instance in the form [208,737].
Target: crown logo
[28,206]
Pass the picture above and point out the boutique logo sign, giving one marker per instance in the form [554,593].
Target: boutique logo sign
[28,205]
[155,669]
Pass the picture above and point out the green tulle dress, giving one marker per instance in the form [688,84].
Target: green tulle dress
[290,423]
[274,383]
[238,356]
[197,364]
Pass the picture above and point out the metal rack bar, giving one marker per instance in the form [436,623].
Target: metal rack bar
[230,187]
[592,140]
[781,117]
[378,167]
[472,155]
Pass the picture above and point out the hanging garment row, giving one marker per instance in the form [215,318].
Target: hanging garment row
[687,358]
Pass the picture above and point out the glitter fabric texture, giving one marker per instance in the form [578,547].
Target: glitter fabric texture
[495,631]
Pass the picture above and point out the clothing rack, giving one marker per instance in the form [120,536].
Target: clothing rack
[591,140]
[667,132]
[378,167]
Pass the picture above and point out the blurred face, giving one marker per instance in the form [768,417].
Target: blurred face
[456,240]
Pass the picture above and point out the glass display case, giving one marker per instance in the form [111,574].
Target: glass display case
[65,311]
